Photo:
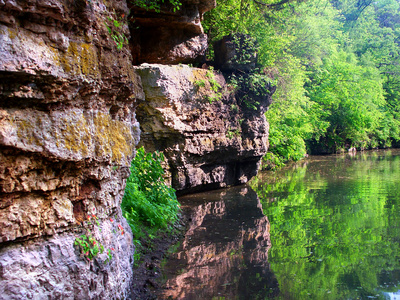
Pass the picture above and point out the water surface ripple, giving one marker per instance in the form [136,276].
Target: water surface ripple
[325,228]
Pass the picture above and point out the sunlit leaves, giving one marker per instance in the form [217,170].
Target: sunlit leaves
[353,96]
[336,65]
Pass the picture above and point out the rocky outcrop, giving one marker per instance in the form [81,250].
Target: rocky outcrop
[236,52]
[170,36]
[67,136]
[209,138]
[225,249]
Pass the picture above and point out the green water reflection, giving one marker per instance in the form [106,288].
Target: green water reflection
[335,226]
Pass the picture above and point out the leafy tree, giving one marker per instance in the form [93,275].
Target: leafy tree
[335,64]
[353,97]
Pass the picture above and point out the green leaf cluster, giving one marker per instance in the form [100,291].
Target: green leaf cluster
[251,88]
[114,27]
[210,86]
[89,246]
[148,203]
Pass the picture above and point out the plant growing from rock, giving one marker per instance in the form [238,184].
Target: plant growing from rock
[90,246]
[209,86]
[232,133]
[148,203]
[200,83]
[246,48]
[252,88]
[114,28]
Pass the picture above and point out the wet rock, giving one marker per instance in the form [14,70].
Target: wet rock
[208,138]
[67,136]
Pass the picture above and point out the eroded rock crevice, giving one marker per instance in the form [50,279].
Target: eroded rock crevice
[170,36]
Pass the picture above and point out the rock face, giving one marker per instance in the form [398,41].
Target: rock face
[67,136]
[168,36]
[209,138]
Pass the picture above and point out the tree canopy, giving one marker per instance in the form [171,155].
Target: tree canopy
[335,64]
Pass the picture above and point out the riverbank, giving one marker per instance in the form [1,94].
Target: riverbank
[147,274]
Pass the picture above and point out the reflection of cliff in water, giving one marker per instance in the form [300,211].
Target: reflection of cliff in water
[225,250]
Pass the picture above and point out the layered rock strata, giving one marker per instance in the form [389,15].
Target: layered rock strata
[170,35]
[67,136]
[210,139]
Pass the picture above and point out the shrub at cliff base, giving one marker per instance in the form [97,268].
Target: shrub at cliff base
[149,205]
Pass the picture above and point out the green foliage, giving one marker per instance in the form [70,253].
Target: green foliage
[352,95]
[89,246]
[246,48]
[114,27]
[210,87]
[148,203]
[251,88]
[200,83]
[230,134]
[335,65]
[215,86]
[157,5]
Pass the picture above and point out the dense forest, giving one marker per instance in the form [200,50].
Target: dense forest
[335,64]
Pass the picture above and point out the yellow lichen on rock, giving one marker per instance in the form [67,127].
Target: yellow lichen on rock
[80,59]
[102,135]
[74,134]
[27,131]
[113,136]
[12,33]
[77,138]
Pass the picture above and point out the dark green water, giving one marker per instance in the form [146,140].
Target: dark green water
[326,228]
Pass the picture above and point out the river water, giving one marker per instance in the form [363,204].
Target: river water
[325,228]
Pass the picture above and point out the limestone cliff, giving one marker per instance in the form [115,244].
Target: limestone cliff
[209,137]
[67,136]
[68,131]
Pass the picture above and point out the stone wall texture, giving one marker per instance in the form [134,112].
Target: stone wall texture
[170,36]
[210,139]
[67,135]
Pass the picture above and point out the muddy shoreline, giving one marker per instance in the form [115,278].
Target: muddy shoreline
[147,276]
